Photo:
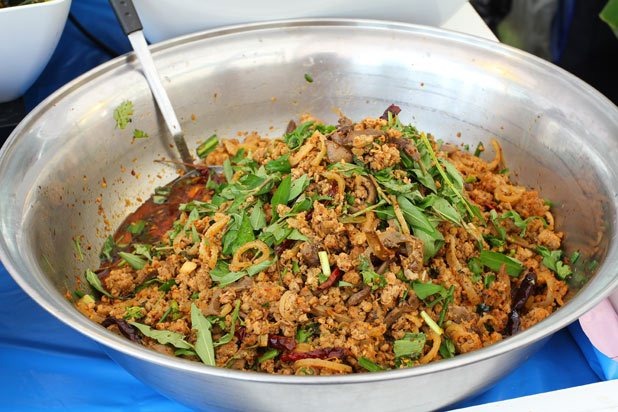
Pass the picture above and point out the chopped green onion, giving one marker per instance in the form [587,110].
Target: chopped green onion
[431,323]
[269,354]
[369,365]
[480,148]
[323,255]
[207,146]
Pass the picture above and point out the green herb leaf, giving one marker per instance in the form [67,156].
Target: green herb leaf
[164,337]
[203,344]
[184,352]
[281,195]
[347,169]
[280,164]
[133,312]
[424,290]
[446,211]
[78,249]
[426,179]
[140,134]
[259,267]
[415,216]
[142,250]
[476,267]
[123,113]
[245,233]
[296,235]
[369,365]
[370,276]
[228,172]
[297,137]
[95,282]
[167,286]
[552,259]
[227,278]
[137,227]
[298,186]
[387,180]
[410,346]
[108,249]
[488,279]
[257,217]
[228,336]
[521,224]
[495,260]
[207,146]
[134,261]
[609,15]
[275,233]
[447,348]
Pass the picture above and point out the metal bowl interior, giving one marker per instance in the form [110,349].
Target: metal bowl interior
[67,173]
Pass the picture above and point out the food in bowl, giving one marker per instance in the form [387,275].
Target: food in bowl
[361,246]
[14,3]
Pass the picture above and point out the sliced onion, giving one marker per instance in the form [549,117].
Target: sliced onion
[377,247]
[322,364]
[259,246]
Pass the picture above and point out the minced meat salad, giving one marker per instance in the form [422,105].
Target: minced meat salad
[336,249]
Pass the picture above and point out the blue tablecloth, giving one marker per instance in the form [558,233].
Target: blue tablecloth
[46,365]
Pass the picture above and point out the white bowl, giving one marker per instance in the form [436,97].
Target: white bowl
[164,19]
[29,37]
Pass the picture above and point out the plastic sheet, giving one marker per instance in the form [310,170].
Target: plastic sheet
[45,365]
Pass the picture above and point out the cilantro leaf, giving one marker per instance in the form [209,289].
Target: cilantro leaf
[140,134]
[370,277]
[123,113]
[552,259]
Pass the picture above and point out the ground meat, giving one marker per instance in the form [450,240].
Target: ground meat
[333,268]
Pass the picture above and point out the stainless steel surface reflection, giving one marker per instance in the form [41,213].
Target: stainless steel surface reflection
[67,173]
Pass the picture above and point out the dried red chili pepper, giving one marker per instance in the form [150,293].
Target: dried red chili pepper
[124,327]
[281,342]
[334,277]
[526,287]
[240,333]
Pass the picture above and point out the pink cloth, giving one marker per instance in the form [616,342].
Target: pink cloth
[601,326]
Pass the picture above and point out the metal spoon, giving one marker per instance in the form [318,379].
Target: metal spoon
[132,26]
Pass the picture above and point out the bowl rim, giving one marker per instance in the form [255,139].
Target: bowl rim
[111,341]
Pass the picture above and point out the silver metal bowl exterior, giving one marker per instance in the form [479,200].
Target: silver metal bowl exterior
[68,173]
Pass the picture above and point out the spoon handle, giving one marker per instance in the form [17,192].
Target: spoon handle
[127,15]
[129,20]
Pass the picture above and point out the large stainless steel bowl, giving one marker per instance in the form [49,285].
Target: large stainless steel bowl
[67,173]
